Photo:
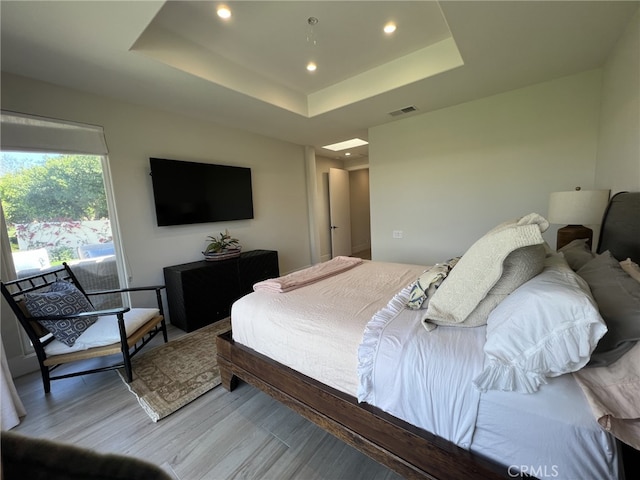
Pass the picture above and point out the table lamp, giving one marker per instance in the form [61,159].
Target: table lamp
[576,209]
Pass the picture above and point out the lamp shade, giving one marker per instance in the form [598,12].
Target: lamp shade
[578,207]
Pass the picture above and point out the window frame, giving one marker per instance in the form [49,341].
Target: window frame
[30,133]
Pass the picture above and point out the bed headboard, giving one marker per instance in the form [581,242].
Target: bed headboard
[620,231]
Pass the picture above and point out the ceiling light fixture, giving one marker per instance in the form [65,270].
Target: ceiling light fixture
[312,41]
[390,28]
[311,34]
[224,12]
[354,142]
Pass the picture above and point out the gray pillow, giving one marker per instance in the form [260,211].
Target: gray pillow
[519,267]
[63,298]
[577,253]
[618,299]
[479,270]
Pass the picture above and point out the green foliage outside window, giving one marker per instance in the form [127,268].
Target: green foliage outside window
[51,188]
[62,188]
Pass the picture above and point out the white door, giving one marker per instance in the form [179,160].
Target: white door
[339,212]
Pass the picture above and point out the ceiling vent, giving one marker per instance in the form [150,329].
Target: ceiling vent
[402,111]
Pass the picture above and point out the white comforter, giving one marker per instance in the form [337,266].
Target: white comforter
[421,377]
[427,382]
[317,329]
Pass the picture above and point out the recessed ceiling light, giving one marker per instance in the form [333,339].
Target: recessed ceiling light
[354,142]
[224,12]
[311,66]
[390,27]
[348,154]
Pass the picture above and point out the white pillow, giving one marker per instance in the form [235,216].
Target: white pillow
[547,327]
[481,267]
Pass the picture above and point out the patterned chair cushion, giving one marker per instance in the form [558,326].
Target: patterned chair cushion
[62,298]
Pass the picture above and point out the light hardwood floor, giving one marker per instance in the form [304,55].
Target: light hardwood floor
[242,434]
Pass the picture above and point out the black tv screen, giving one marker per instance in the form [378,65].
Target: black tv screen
[191,192]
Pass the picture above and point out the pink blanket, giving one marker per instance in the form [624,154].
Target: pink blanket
[308,276]
[613,394]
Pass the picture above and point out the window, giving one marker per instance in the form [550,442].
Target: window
[56,211]
[55,193]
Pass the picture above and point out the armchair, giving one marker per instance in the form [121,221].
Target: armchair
[57,314]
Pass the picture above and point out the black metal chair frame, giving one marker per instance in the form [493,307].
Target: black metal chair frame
[130,342]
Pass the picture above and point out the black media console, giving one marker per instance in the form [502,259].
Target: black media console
[200,293]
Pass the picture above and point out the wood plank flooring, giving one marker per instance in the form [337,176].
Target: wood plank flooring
[242,434]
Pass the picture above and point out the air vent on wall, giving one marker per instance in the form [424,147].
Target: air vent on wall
[402,111]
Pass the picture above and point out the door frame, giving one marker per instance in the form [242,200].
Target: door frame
[339,212]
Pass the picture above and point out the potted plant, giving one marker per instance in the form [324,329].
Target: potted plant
[221,247]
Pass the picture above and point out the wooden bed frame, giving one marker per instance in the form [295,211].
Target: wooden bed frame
[408,450]
[404,448]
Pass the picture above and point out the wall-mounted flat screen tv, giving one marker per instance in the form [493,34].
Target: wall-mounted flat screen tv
[191,192]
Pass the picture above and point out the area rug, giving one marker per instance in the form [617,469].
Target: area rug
[174,374]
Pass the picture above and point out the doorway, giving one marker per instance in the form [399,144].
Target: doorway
[360,225]
[360,213]
[354,185]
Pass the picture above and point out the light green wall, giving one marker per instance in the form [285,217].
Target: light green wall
[446,177]
[618,165]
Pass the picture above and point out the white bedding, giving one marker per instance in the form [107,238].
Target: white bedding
[317,330]
[551,433]
[428,381]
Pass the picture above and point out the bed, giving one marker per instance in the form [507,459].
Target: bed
[360,374]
